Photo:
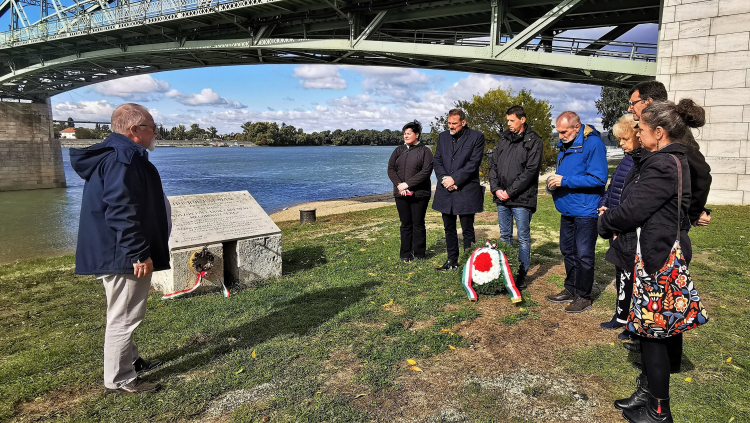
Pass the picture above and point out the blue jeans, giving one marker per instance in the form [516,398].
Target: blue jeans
[522,216]
[578,246]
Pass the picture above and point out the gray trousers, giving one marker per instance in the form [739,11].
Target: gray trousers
[126,307]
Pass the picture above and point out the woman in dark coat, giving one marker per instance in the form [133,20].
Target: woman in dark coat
[409,168]
[624,131]
[650,202]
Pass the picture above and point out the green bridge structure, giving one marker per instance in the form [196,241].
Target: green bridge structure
[52,47]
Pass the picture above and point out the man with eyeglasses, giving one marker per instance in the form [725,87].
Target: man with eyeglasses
[123,236]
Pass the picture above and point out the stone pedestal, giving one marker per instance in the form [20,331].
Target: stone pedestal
[183,276]
[30,156]
[254,259]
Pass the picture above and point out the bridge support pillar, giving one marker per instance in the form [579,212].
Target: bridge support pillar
[30,156]
[704,54]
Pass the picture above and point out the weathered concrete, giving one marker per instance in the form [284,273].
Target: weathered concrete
[704,54]
[30,156]
[252,260]
[183,276]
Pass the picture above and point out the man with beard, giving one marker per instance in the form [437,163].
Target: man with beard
[458,194]
[122,236]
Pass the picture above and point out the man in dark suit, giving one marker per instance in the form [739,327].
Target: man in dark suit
[457,158]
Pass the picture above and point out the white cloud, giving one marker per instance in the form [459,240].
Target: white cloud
[207,96]
[320,77]
[133,88]
[84,110]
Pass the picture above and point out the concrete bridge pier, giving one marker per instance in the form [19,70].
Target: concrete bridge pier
[30,156]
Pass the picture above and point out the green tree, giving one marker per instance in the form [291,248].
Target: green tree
[612,104]
[84,134]
[212,131]
[71,123]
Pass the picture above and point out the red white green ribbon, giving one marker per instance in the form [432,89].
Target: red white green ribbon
[510,284]
[184,292]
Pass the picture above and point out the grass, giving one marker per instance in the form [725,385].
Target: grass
[343,293]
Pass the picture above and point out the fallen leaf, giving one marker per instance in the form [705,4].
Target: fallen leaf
[359,396]
[731,420]
[445,330]
[253,355]
[372,302]
[450,333]
[231,339]
[729,360]
[362,249]
[612,344]
[266,419]
[410,361]
[388,304]
[415,369]
[239,371]
[372,274]
[522,309]
[451,347]
[319,392]
[688,379]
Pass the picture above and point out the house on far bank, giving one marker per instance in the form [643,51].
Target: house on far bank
[68,134]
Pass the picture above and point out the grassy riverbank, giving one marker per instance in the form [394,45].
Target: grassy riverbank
[330,340]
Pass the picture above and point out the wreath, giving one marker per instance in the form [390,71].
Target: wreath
[202,261]
[488,271]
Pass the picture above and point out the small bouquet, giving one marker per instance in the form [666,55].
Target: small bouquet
[488,271]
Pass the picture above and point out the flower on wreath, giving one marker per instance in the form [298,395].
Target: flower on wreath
[681,303]
[486,266]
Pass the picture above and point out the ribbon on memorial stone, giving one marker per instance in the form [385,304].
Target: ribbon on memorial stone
[201,261]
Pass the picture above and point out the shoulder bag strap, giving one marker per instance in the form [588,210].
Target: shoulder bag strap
[679,195]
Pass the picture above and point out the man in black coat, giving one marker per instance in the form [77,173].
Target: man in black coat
[514,176]
[645,93]
[459,194]
[123,236]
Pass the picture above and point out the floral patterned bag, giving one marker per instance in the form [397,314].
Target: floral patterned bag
[665,303]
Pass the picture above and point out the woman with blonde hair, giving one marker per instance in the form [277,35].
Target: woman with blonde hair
[619,253]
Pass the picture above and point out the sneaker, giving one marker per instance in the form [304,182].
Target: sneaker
[448,265]
[137,386]
[141,366]
[562,297]
[578,305]
[612,324]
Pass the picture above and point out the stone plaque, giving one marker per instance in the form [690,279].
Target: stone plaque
[219,217]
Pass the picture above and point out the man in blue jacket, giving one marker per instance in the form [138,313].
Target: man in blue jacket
[123,236]
[459,194]
[577,187]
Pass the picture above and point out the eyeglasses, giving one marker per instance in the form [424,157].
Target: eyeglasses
[633,103]
[153,127]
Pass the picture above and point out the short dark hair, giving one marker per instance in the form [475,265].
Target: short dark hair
[415,127]
[654,90]
[457,112]
[516,110]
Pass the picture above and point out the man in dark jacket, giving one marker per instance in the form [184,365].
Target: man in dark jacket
[645,93]
[457,159]
[577,187]
[514,176]
[123,236]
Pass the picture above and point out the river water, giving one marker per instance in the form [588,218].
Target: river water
[43,223]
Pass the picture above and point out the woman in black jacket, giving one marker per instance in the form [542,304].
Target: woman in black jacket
[649,202]
[624,131]
[409,168]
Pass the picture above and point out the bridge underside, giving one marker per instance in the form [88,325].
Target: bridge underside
[505,37]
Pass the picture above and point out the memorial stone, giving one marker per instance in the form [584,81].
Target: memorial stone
[244,240]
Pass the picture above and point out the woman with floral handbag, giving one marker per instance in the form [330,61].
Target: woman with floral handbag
[654,203]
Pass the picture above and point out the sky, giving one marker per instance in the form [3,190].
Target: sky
[318,97]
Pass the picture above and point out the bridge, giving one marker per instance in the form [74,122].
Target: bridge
[52,47]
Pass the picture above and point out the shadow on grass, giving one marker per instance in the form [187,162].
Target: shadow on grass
[302,258]
[295,317]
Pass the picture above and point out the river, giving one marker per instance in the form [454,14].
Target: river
[44,223]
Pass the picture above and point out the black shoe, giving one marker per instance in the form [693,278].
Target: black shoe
[562,297]
[656,410]
[612,324]
[448,265]
[137,386]
[638,399]
[633,346]
[520,279]
[142,366]
[626,335]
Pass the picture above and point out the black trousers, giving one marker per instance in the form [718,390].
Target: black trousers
[451,234]
[624,285]
[659,356]
[411,212]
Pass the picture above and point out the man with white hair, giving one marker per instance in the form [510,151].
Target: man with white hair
[577,187]
[123,236]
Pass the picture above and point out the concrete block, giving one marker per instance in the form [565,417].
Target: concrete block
[664,79]
[670,3]
[729,79]
[696,28]
[738,41]
[721,165]
[693,81]
[183,276]
[724,114]
[733,7]
[670,31]
[255,259]
[727,97]
[667,15]
[730,24]
[724,181]
[698,96]
[729,60]
[725,131]
[743,182]
[665,48]
[689,46]
[699,10]
[723,148]
[719,196]
[744,149]
[746,113]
